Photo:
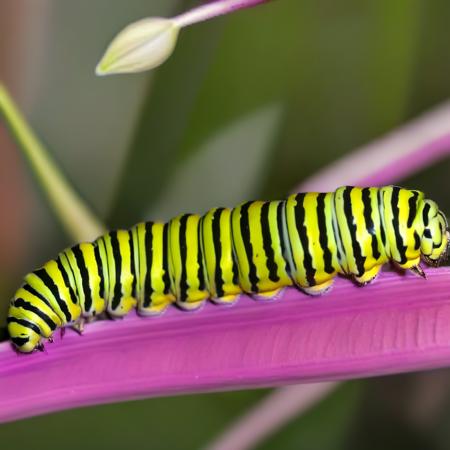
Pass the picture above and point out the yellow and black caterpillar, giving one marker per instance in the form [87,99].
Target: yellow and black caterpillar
[256,248]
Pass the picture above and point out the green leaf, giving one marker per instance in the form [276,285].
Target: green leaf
[256,63]
[355,84]
[226,170]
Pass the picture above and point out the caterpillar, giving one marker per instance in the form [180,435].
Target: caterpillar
[258,248]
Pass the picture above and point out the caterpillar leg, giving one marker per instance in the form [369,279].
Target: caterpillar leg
[40,347]
[124,306]
[78,326]
[153,310]
[269,295]
[417,270]
[226,299]
[319,289]
[190,306]
[154,304]
[106,315]
[368,276]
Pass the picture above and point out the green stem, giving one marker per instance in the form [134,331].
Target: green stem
[78,220]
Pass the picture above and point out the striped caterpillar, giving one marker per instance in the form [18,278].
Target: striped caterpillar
[256,248]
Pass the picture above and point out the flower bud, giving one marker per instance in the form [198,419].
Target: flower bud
[140,46]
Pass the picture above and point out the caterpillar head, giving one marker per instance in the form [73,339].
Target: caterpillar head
[24,338]
[435,241]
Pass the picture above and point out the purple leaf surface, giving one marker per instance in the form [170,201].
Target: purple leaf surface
[397,324]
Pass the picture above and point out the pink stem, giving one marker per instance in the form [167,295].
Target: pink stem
[398,324]
[401,153]
[271,414]
[214,9]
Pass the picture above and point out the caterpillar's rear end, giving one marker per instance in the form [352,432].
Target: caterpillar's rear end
[257,248]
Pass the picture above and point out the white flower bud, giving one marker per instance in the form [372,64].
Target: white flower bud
[143,45]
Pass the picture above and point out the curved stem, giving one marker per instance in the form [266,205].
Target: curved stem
[398,324]
[404,151]
[76,217]
[213,9]
[270,414]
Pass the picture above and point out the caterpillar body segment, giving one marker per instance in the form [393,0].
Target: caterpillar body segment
[257,248]
[314,253]
[186,261]
[257,230]
[220,265]
[154,290]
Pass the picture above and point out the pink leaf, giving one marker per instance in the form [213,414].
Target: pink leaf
[398,324]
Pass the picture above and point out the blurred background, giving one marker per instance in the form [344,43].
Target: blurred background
[248,106]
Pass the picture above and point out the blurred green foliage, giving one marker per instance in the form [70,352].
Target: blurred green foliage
[315,79]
